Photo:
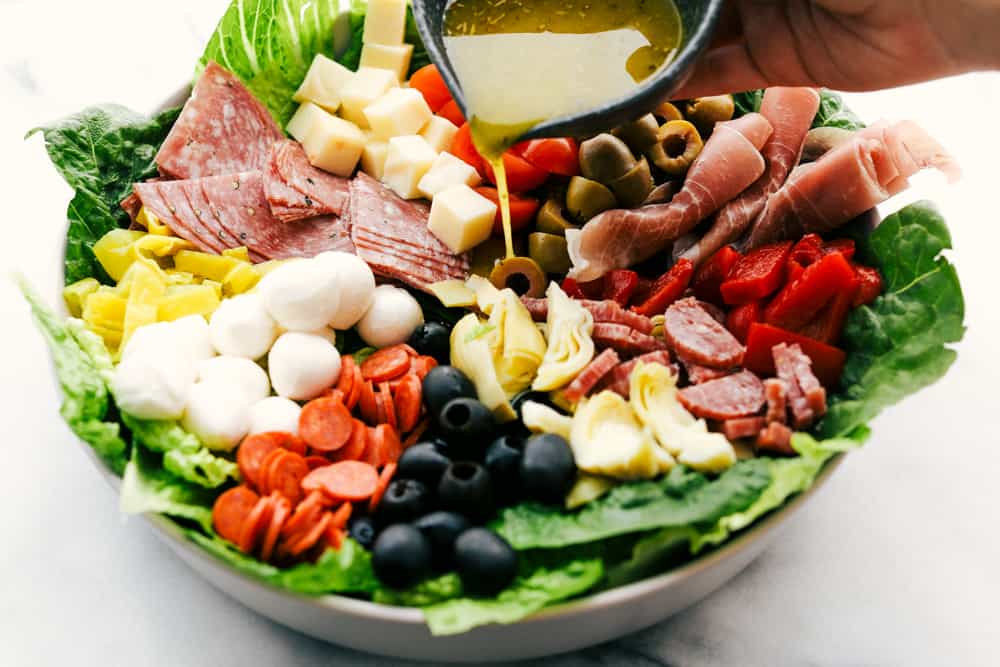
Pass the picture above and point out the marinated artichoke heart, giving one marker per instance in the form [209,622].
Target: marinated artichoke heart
[653,394]
[570,348]
[587,487]
[487,295]
[517,345]
[607,439]
[540,418]
[472,355]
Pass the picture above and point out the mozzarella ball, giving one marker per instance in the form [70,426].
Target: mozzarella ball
[217,415]
[357,285]
[241,327]
[153,385]
[303,295]
[239,374]
[391,318]
[274,413]
[187,337]
[302,365]
[193,334]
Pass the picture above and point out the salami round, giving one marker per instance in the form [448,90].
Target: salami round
[697,336]
[731,397]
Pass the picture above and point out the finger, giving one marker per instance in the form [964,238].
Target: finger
[725,69]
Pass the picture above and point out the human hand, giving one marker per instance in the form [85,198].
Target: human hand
[851,45]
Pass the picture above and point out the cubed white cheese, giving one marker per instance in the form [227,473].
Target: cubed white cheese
[461,217]
[439,133]
[332,144]
[323,83]
[385,22]
[373,158]
[408,160]
[367,85]
[384,56]
[447,171]
[400,112]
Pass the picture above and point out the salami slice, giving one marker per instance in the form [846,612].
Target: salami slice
[743,428]
[776,440]
[165,206]
[588,378]
[296,190]
[222,129]
[776,393]
[418,254]
[618,379]
[731,397]
[603,311]
[806,396]
[699,373]
[625,340]
[693,332]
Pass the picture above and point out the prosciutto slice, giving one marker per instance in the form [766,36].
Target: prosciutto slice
[790,112]
[728,164]
[856,176]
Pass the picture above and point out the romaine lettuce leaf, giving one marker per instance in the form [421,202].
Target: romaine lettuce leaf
[101,152]
[426,593]
[148,488]
[352,55]
[183,453]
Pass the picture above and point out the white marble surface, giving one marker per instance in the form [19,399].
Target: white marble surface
[894,563]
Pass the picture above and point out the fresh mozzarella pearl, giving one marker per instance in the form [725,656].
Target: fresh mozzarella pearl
[391,318]
[192,332]
[153,384]
[241,327]
[302,365]
[274,413]
[239,373]
[187,337]
[217,415]
[357,284]
[303,295]
[326,333]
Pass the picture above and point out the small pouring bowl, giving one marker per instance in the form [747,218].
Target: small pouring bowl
[698,18]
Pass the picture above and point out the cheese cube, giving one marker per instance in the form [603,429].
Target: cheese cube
[384,56]
[367,85]
[439,133]
[323,83]
[385,22]
[373,158]
[408,160]
[447,171]
[461,217]
[401,111]
[332,144]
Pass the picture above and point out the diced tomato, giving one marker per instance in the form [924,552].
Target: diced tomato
[757,274]
[620,285]
[572,289]
[522,210]
[430,83]
[556,156]
[844,246]
[668,288]
[451,112]
[521,174]
[827,361]
[808,250]
[869,285]
[801,300]
[708,280]
[463,148]
[740,318]
[828,325]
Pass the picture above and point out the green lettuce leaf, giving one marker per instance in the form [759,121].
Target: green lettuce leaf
[146,487]
[681,498]
[748,102]
[101,152]
[183,453]
[351,57]
[426,593]
[833,112]
[899,344]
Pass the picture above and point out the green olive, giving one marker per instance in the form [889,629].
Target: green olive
[705,112]
[549,252]
[605,158]
[639,134]
[586,198]
[633,188]
[668,112]
[551,220]
[521,274]
[484,257]
[663,193]
[678,144]
[821,140]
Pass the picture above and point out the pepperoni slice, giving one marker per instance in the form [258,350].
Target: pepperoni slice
[340,517]
[355,448]
[379,408]
[409,350]
[282,510]
[346,382]
[388,404]
[367,405]
[409,401]
[383,483]
[304,515]
[325,424]
[293,443]
[334,537]
[383,446]
[231,510]
[251,454]
[315,461]
[356,385]
[386,364]
[263,474]
[286,474]
[418,431]
[253,529]
[422,365]
[309,539]
[345,480]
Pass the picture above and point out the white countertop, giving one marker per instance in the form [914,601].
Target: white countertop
[893,563]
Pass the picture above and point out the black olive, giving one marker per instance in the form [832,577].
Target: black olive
[401,556]
[465,488]
[442,529]
[485,562]
[467,424]
[443,384]
[362,530]
[432,339]
[503,461]
[403,500]
[423,462]
[547,468]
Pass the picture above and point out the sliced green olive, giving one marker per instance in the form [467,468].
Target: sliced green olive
[705,112]
[821,140]
[605,158]
[521,274]
[663,193]
[550,219]
[484,257]
[639,134]
[586,198]
[549,252]
[678,143]
[668,112]
[633,188]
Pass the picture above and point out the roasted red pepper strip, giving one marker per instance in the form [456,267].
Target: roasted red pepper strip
[620,285]
[801,300]
[827,361]
[828,325]
[808,250]
[869,285]
[572,289]
[756,275]
[668,288]
[711,274]
[740,318]
[844,246]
